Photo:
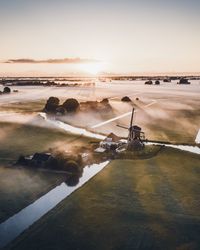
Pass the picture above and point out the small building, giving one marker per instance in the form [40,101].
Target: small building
[111,142]
[36,160]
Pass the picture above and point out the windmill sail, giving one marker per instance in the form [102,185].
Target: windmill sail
[131,123]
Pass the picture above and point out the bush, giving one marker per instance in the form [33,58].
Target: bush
[105,101]
[126,99]
[6,90]
[71,105]
[148,82]
[157,82]
[52,104]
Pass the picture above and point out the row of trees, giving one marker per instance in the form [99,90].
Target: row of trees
[53,105]
[71,105]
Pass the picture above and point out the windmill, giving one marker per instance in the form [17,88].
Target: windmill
[135,136]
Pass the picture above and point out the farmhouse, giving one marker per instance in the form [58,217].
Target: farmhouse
[38,160]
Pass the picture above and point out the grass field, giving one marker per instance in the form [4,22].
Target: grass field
[20,139]
[131,204]
[19,186]
[24,106]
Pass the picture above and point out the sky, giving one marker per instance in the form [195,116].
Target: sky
[61,37]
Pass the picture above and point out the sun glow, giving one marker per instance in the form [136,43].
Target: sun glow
[92,68]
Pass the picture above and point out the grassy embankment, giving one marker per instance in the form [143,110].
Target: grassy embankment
[131,204]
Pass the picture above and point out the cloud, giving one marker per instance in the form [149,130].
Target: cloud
[53,61]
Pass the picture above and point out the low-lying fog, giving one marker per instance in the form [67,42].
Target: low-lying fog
[159,109]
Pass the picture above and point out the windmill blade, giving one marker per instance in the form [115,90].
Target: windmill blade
[121,126]
[131,123]
[120,116]
[111,120]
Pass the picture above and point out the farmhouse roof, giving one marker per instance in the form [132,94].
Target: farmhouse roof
[114,137]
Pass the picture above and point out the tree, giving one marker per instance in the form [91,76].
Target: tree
[126,99]
[184,81]
[157,82]
[52,104]
[60,110]
[71,167]
[105,101]
[71,105]
[6,90]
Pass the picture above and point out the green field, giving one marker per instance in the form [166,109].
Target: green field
[131,204]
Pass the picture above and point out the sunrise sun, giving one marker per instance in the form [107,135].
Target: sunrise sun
[92,68]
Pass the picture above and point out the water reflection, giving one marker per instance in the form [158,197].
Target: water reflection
[73,179]
[19,222]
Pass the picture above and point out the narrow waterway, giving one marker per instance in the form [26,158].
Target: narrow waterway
[192,149]
[72,129]
[19,222]
[197,140]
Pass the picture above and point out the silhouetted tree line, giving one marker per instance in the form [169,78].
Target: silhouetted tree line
[71,105]
[53,105]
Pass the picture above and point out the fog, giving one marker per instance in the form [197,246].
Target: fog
[165,106]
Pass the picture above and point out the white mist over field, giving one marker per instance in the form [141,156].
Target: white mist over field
[157,106]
